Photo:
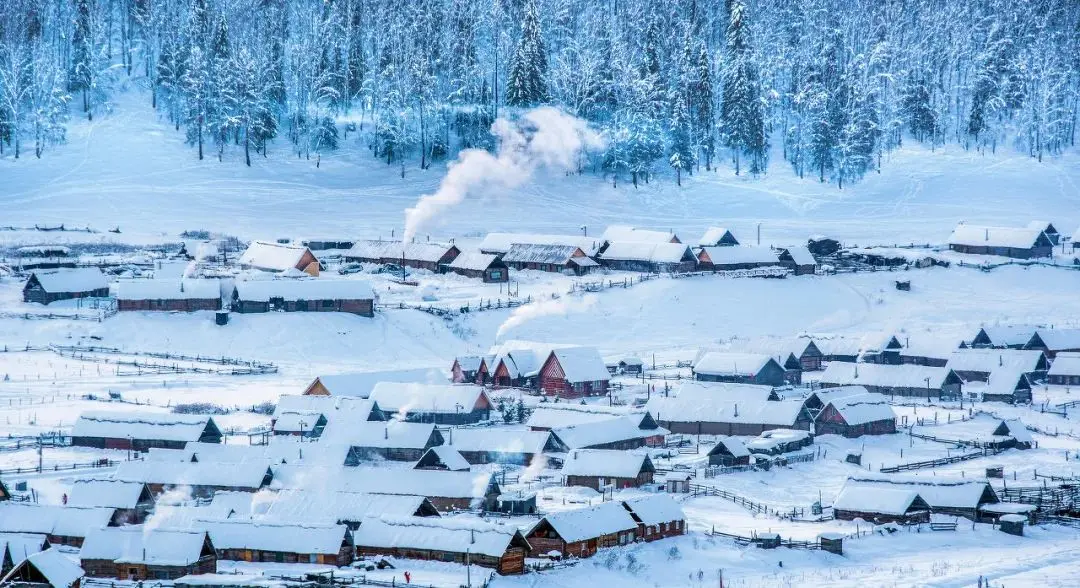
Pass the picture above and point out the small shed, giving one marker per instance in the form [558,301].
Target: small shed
[1012,524]
[517,503]
[717,237]
[487,267]
[49,568]
[798,259]
[268,256]
[603,468]
[186,295]
[729,451]
[677,483]
[442,457]
[46,287]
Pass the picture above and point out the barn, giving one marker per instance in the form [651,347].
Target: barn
[721,259]
[499,547]
[474,264]
[582,532]
[879,503]
[46,287]
[443,404]
[279,257]
[658,517]
[137,554]
[131,502]
[140,431]
[600,469]
[291,295]
[637,256]
[1055,341]
[280,542]
[480,446]
[186,295]
[717,237]
[573,372]
[739,368]
[894,380]
[1019,243]
[470,369]
[799,260]
[549,258]
[855,416]
[49,568]
[1066,370]
[427,256]
[728,452]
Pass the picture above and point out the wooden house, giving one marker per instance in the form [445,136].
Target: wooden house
[799,260]
[1019,243]
[870,348]
[346,408]
[779,442]
[58,525]
[442,457]
[728,452]
[442,404]
[324,243]
[637,256]
[137,554]
[279,258]
[500,547]
[1055,341]
[880,503]
[623,433]
[393,440]
[894,380]
[976,365]
[1007,385]
[500,243]
[1003,337]
[721,259]
[307,295]
[717,237]
[855,416]
[573,372]
[582,532]
[186,295]
[201,478]
[306,424]
[739,368]
[471,369]
[601,469]
[628,234]
[1048,229]
[480,446]
[658,517]
[46,287]
[1066,370]
[822,246]
[427,256]
[333,507]
[15,547]
[280,542]
[749,412]
[474,264]
[960,498]
[139,431]
[360,384]
[45,569]
[5,494]
[131,502]
[549,258]
[517,363]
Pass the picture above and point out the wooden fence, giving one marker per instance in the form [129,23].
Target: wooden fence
[56,467]
[933,463]
[755,540]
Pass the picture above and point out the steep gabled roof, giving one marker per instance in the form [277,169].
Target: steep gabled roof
[986,236]
[82,279]
[878,498]
[606,463]
[51,565]
[502,242]
[456,535]
[714,236]
[142,425]
[721,363]
[581,364]
[656,509]
[138,545]
[108,492]
[606,518]
[270,256]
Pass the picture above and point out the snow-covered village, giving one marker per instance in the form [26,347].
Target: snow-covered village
[539,293]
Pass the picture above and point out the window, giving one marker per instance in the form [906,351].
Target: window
[328,304]
[496,274]
[663,527]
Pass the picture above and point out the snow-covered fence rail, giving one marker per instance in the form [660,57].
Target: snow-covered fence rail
[152,362]
[768,541]
[933,463]
[60,467]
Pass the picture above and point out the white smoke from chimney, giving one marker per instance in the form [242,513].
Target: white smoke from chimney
[542,137]
[549,307]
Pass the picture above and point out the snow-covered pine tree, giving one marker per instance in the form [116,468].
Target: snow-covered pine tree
[681,151]
[527,82]
[742,120]
[81,72]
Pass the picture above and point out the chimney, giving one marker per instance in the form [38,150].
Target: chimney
[386,432]
[736,409]
[856,369]
[472,536]
[1001,360]
[987,234]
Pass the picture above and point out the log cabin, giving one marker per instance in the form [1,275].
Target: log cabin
[729,452]
[426,256]
[279,542]
[1003,337]
[137,554]
[500,243]
[739,368]
[1066,370]
[799,260]
[59,525]
[717,237]
[956,497]
[623,433]
[442,457]
[696,412]
[1008,385]
[628,234]
[742,257]
[582,532]
[304,295]
[1048,229]
[15,547]
[392,440]
[186,295]
[573,372]
[1055,341]
[658,517]
[894,380]
[880,503]
[856,415]
[481,446]
[601,469]
[279,258]
[549,258]
[472,369]
[132,502]
[140,431]
[443,404]
[332,507]
[1015,242]
[46,287]
[976,365]
[500,547]
[45,569]
[473,264]
[202,478]
[637,256]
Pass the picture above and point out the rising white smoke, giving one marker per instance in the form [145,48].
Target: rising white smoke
[542,137]
[549,307]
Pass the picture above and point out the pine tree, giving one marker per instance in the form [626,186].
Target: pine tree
[527,83]
[681,152]
[702,115]
[81,75]
[742,119]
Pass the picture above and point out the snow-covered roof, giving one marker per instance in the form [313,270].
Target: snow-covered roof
[138,545]
[605,462]
[383,435]
[606,518]
[106,492]
[498,440]
[1045,226]
[233,580]
[801,255]
[281,449]
[141,425]
[1005,381]
[734,446]
[426,252]
[502,242]
[276,536]
[304,289]
[722,363]
[985,236]
[856,344]
[875,497]
[537,253]
[861,409]
[776,438]
[448,456]
[456,535]
[270,256]
[186,289]
[375,480]
[330,506]
[581,364]
[937,493]
[50,519]
[653,510]
[55,567]
[21,545]
[552,415]
[728,409]
[83,279]
[359,384]
[1065,364]
[739,254]
[470,363]
[726,391]
[243,474]
[42,250]
[626,233]
[410,397]
[522,358]
[826,395]
[473,260]
[1060,339]
[713,236]
[593,433]
[1009,335]
[886,375]
[988,360]
[652,252]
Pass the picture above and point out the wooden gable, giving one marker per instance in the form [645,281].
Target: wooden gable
[316,388]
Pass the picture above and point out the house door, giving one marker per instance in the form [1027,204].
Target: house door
[133,574]
[301,305]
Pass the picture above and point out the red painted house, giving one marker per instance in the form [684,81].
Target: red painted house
[573,372]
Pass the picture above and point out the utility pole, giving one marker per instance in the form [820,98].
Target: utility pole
[40,450]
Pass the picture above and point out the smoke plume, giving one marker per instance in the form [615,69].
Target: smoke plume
[549,307]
